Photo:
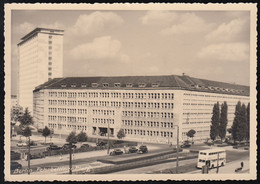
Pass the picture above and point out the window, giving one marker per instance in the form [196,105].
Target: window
[49,73]
[63,85]
[129,85]
[50,63]
[141,85]
[155,85]
[117,84]
[50,42]
[73,85]
[105,84]
[49,68]
[50,36]
[50,58]
[83,85]
[94,85]
[50,47]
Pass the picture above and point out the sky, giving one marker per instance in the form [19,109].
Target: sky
[210,45]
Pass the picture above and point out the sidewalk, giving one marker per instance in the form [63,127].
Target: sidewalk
[229,168]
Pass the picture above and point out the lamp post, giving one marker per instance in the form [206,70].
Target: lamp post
[29,155]
[177,154]
[108,131]
[217,163]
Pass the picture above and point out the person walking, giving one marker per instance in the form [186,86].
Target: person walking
[242,165]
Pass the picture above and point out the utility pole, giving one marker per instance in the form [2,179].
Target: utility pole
[29,156]
[70,169]
[177,159]
[177,154]
[108,131]
[217,163]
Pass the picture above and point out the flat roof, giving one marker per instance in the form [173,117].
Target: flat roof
[37,30]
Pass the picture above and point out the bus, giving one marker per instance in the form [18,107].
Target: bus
[212,157]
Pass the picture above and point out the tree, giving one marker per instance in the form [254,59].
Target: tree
[82,137]
[214,122]
[27,132]
[120,134]
[248,121]
[239,127]
[46,132]
[223,121]
[26,119]
[191,133]
[16,113]
[72,138]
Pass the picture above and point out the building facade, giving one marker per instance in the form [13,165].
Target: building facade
[147,108]
[40,58]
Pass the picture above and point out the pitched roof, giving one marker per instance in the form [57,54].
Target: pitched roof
[151,82]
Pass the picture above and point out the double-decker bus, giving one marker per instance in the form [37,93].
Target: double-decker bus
[212,157]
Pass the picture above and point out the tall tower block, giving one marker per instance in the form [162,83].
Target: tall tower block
[40,58]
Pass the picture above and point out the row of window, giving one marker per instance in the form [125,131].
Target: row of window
[113,95]
[214,96]
[197,122]
[113,104]
[62,126]
[103,121]
[147,114]
[103,112]
[148,133]
[147,123]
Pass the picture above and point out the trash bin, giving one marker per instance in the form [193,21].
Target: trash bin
[205,169]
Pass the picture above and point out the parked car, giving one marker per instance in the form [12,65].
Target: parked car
[32,143]
[132,149]
[15,155]
[15,165]
[116,152]
[142,149]
[35,156]
[209,142]
[186,144]
[67,146]
[101,143]
[40,130]
[53,147]
[21,144]
[85,146]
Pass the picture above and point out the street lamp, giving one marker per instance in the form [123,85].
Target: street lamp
[177,155]
[108,131]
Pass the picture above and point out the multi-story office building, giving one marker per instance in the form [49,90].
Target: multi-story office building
[40,58]
[148,108]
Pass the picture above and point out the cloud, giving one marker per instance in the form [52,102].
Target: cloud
[94,22]
[55,25]
[24,28]
[234,52]
[231,31]
[158,17]
[100,48]
[27,27]
[187,23]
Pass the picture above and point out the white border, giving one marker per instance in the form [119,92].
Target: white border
[151,6]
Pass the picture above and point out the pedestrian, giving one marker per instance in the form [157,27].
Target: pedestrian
[242,164]
[60,156]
